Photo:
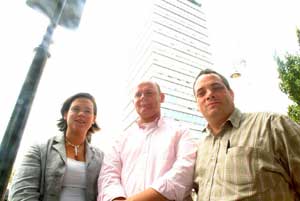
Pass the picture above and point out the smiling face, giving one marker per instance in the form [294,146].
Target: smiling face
[214,99]
[147,100]
[80,116]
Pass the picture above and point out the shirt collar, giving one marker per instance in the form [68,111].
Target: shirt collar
[234,119]
[156,123]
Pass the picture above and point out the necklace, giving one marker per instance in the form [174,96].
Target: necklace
[76,147]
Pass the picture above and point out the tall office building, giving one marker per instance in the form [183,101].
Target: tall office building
[173,48]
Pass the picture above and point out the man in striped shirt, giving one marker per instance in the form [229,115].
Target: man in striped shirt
[244,156]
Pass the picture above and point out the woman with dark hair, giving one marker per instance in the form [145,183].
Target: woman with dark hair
[66,167]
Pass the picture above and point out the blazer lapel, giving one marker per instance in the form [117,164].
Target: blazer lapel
[89,154]
[59,146]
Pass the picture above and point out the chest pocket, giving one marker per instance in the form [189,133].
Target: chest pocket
[248,170]
[240,166]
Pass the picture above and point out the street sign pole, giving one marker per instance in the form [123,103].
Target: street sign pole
[14,131]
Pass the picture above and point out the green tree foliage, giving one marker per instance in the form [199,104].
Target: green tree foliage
[289,74]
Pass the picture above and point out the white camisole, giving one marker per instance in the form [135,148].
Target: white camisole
[74,182]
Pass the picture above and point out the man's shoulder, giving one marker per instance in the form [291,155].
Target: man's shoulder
[264,115]
[258,119]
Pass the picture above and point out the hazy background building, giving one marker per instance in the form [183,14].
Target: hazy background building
[171,50]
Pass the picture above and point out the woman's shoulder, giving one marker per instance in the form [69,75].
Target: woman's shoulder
[96,150]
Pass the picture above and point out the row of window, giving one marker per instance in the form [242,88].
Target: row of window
[181,116]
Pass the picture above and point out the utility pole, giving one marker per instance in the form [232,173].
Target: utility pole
[62,14]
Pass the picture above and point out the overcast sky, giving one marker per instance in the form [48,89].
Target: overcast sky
[96,57]
[253,31]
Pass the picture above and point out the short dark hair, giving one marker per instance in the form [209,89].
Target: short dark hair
[62,123]
[210,71]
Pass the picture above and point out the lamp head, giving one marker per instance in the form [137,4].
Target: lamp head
[70,15]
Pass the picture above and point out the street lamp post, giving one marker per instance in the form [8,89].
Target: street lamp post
[14,131]
[238,69]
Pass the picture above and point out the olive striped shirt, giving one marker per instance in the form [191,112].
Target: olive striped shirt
[256,157]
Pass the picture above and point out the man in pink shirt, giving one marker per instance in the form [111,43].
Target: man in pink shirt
[153,160]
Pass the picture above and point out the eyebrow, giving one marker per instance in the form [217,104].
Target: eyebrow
[217,83]
[211,85]
[84,107]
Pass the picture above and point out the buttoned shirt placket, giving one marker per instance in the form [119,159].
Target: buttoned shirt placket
[213,163]
[146,150]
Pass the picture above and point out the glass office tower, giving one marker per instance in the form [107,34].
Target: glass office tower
[173,48]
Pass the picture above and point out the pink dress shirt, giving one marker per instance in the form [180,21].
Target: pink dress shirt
[158,155]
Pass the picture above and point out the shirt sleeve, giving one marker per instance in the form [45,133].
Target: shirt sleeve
[176,184]
[109,180]
[288,146]
[26,182]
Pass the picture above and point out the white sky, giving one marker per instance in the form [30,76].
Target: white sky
[95,57]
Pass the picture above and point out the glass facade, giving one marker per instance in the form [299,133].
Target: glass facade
[173,49]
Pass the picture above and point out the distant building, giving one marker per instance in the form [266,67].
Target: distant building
[172,50]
